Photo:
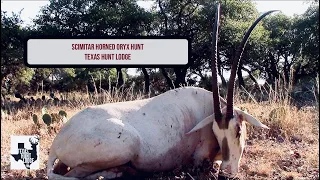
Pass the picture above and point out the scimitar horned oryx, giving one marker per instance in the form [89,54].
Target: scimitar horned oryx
[229,122]
[155,134]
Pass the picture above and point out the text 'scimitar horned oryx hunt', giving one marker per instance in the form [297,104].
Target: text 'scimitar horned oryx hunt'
[156,134]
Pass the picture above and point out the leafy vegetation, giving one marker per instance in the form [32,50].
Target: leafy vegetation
[282,50]
[49,119]
[279,45]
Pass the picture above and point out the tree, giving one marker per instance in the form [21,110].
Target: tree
[176,18]
[278,45]
[194,19]
[146,80]
[293,45]
[306,43]
[12,44]
[279,55]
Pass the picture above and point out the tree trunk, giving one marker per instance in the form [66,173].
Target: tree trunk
[253,79]
[240,77]
[100,88]
[94,84]
[295,74]
[146,81]
[286,69]
[273,68]
[4,75]
[301,73]
[169,81]
[41,87]
[2,80]
[180,77]
[223,80]
[120,78]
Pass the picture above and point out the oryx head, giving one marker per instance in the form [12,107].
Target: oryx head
[229,122]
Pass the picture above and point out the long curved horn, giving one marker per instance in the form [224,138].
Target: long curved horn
[235,65]
[215,86]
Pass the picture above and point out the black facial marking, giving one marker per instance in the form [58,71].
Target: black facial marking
[223,123]
[225,149]
[238,131]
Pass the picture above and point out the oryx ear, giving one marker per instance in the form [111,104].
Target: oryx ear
[250,119]
[202,124]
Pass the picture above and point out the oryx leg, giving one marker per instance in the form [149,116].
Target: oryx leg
[108,150]
[208,148]
[87,169]
[112,173]
[60,168]
[95,168]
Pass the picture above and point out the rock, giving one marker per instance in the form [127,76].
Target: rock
[296,138]
[295,154]
[280,139]
[289,178]
[249,142]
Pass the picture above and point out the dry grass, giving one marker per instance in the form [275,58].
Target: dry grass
[22,124]
[289,150]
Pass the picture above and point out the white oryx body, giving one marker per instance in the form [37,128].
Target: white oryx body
[159,133]
[151,134]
